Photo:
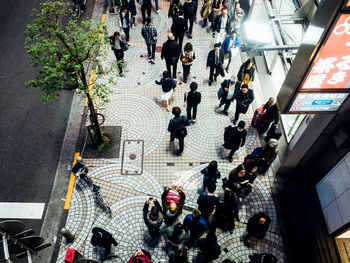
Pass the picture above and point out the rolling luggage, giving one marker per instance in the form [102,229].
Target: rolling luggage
[274,132]
[258,116]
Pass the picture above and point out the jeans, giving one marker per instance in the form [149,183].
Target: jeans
[186,71]
[151,49]
[194,107]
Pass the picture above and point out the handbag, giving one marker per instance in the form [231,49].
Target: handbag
[220,93]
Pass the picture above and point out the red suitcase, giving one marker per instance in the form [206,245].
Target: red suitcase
[257,116]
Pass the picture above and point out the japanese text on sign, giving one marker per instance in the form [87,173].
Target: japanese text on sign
[317,102]
[331,69]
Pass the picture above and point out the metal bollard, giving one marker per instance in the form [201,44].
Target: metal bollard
[67,234]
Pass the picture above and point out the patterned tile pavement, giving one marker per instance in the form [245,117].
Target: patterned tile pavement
[135,105]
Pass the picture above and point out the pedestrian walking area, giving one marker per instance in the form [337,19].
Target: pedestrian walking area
[148,162]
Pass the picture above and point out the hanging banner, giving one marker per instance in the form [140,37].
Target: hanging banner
[331,70]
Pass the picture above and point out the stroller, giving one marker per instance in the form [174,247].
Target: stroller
[241,189]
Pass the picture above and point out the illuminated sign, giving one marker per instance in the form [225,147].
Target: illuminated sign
[348,4]
[317,102]
[331,69]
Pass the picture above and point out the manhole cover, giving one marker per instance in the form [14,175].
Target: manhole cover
[132,156]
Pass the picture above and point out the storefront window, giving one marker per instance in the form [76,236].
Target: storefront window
[291,122]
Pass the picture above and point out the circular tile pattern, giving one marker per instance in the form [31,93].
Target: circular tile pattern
[139,73]
[205,138]
[140,118]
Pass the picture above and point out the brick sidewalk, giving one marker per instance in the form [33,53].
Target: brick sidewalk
[135,105]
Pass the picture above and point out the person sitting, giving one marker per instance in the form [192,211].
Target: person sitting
[173,199]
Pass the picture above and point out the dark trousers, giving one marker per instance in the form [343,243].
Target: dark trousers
[181,142]
[127,35]
[238,111]
[211,73]
[186,71]
[153,231]
[156,1]
[229,58]
[193,237]
[151,49]
[169,63]
[119,55]
[189,108]
[190,27]
[145,8]
[232,152]
[179,39]
[226,102]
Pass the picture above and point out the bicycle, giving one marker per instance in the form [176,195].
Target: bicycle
[80,170]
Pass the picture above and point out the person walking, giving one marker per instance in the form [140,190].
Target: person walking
[168,86]
[124,15]
[268,154]
[149,33]
[177,128]
[236,15]
[131,6]
[154,218]
[118,45]
[196,224]
[207,201]
[244,97]
[174,9]
[193,98]
[171,52]
[179,28]
[179,256]
[215,61]
[222,26]
[205,11]
[230,47]
[234,138]
[104,239]
[210,174]
[187,58]
[226,212]
[190,13]
[215,11]
[146,7]
[175,235]
[272,114]
[230,88]
[246,72]
[257,227]
[209,249]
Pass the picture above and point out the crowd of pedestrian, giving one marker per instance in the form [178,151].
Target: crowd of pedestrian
[199,228]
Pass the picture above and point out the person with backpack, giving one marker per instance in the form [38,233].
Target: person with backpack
[179,28]
[234,137]
[177,128]
[244,97]
[174,9]
[168,86]
[190,13]
[193,98]
[210,174]
[149,33]
[229,88]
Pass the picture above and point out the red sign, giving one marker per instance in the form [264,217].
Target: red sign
[331,70]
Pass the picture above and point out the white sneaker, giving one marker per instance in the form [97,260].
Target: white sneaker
[157,11]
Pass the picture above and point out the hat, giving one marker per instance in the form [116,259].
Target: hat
[234,78]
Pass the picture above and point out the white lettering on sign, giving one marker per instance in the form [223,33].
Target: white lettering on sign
[343,28]
[324,65]
[337,77]
[315,81]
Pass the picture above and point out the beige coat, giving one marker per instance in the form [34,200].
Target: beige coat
[206,8]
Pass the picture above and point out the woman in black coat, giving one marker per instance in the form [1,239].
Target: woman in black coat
[246,72]
[257,227]
[272,114]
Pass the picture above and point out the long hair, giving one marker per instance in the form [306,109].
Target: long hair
[188,47]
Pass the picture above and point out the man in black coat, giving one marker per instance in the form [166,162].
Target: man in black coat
[190,13]
[171,52]
[230,88]
[215,61]
[222,26]
[179,28]
[244,98]
[234,138]
[257,227]
[102,238]
[207,201]
[130,5]
[124,16]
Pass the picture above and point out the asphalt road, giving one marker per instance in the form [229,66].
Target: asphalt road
[31,130]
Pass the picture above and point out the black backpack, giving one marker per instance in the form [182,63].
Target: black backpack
[174,11]
[180,130]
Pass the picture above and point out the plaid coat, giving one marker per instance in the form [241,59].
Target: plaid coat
[149,33]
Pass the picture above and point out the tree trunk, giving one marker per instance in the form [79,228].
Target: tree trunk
[93,118]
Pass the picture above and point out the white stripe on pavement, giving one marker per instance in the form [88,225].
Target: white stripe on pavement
[10,210]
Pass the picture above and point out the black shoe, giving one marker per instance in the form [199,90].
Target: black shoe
[230,159]
[210,82]
[234,122]
[215,78]
[178,152]
[225,112]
